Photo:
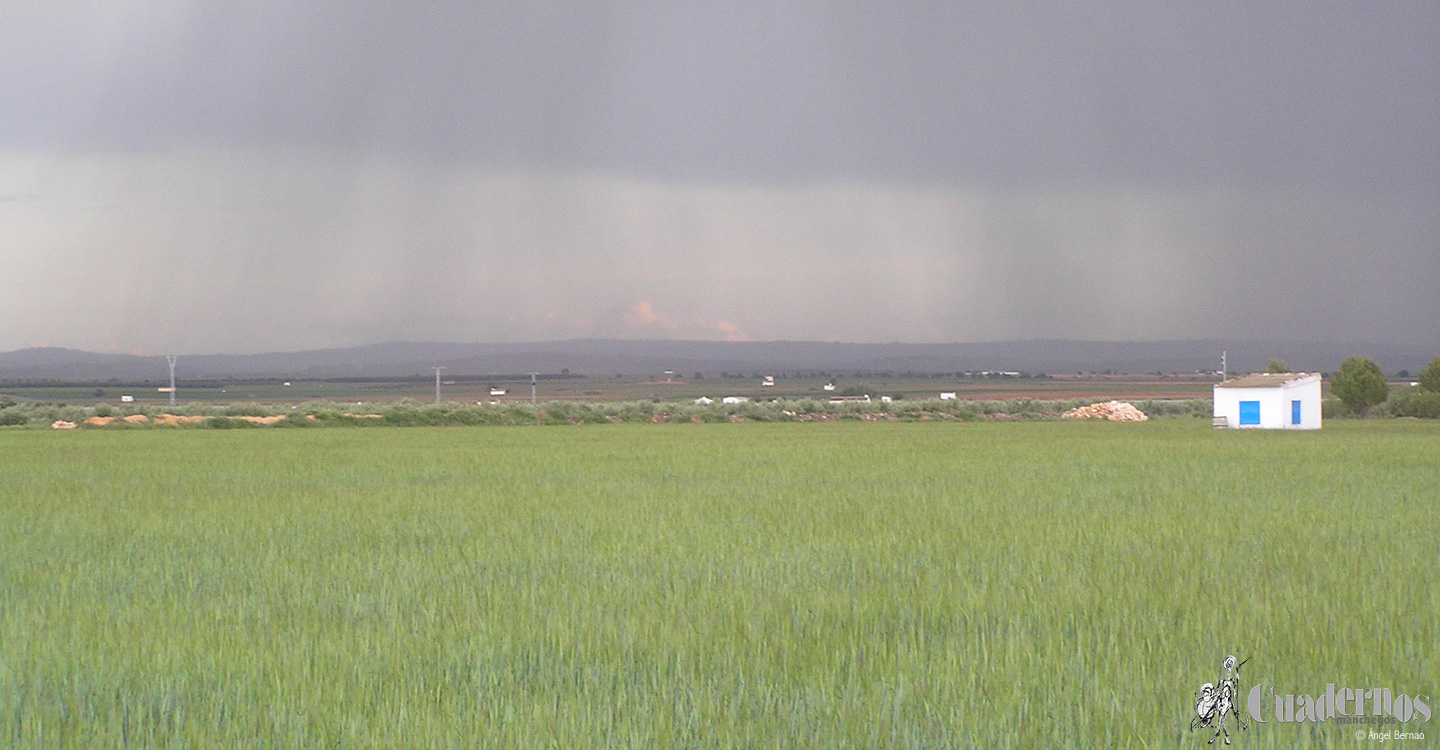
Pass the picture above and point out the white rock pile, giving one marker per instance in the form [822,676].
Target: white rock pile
[1115,411]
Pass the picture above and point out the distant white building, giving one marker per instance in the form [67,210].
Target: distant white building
[703,401]
[865,399]
[947,396]
[1269,401]
[829,386]
[734,400]
[497,391]
[768,381]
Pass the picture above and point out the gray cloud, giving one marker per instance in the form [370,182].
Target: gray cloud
[1122,91]
[207,176]
[253,252]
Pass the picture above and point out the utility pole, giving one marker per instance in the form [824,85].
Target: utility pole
[532,387]
[170,358]
[1224,368]
[437,383]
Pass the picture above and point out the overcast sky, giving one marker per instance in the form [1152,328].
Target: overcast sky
[208,176]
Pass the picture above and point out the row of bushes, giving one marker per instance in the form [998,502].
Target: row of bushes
[1401,402]
[411,413]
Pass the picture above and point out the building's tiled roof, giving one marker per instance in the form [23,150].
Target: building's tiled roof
[1268,379]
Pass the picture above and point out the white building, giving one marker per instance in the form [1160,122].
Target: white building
[947,396]
[704,401]
[1269,401]
[734,400]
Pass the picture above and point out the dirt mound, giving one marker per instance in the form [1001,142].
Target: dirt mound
[99,421]
[135,419]
[1115,411]
[261,420]
[61,424]
[172,419]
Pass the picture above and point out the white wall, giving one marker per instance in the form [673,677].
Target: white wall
[1274,406]
[1309,396]
[1272,403]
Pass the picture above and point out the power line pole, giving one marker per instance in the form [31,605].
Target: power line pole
[1224,368]
[170,358]
[532,387]
[437,383]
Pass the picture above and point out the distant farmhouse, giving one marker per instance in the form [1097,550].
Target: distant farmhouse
[1269,401]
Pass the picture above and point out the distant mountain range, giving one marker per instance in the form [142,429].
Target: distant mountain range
[596,357]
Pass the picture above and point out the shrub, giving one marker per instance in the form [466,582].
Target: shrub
[1412,402]
[296,420]
[247,410]
[1430,379]
[403,416]
[1359,384]
[554,416]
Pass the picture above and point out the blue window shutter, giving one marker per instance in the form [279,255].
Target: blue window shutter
[1249,412]
[1295,411]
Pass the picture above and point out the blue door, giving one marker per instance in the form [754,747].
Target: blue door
[1295,412]
[1249,412]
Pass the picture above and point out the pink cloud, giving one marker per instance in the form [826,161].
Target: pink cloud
[643,316]
[729,331]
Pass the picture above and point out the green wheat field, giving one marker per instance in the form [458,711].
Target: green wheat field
[929,584]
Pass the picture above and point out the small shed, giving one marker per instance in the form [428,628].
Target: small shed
[1269,401]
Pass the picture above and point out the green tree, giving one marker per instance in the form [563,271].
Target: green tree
[1430,379]
[1277,366]
[1359,384]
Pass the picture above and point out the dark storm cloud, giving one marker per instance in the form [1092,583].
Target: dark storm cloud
[197,175]
[987,92]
